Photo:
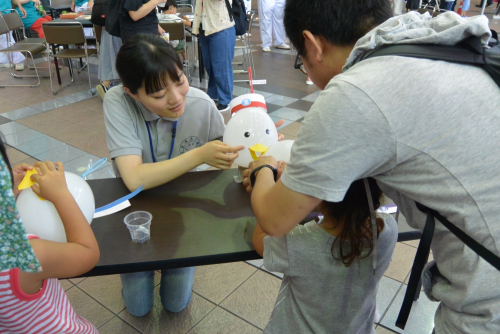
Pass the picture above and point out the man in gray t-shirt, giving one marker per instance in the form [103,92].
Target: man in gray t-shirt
[427,131]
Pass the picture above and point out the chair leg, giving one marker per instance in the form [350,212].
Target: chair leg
[88,72]
[23,76]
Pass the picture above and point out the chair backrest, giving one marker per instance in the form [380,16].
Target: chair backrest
[3,26]
[184,8]
[63,33]
[174,29]
[60,2]
[13,21]
[97,32]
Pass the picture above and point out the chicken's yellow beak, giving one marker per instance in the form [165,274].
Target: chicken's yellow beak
[257,148]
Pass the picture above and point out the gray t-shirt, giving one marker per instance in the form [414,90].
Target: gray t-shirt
[319,294]
[127,134]
[427,131]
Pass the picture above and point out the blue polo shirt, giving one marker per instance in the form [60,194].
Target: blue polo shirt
[31,14]
[5,4]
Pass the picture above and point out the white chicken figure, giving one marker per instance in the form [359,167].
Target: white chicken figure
[251,127]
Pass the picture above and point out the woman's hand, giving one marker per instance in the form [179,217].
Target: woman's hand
[18,173]
[280,166]
[219,155]
[51,182]
[22,10]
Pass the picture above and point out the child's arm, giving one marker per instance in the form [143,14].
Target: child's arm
[136,173]
[144,9]
[258,240]
[81,252]
[187,22]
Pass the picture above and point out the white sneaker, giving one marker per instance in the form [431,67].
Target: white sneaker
[7,65]
[309,82]
[266,49]
[496,17]
[19,67]
[283,46]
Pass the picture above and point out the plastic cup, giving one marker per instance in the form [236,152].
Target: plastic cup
[138,224]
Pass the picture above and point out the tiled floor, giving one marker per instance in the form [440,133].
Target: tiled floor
[227,298]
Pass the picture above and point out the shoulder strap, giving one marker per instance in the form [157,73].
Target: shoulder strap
[229,10]
[423,254]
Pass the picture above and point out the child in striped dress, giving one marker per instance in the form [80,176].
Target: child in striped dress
[36,302]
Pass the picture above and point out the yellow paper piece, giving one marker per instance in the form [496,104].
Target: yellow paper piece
[27,182]
[262,149]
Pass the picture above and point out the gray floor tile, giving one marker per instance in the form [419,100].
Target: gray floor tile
[88,308]
[312,97]
[17,139]
[40,145]
[272,107]
[279,275]
[160,321]
[9,128]
[288,113]
[256,263]
[301,105]
[49,105]
[81,164]
[387,290]
[287,122]
[62,154]
[4,120]
[107,290]
[383,330]
[21,113]
[77,97]
[421,320]
[117,326]
[221,321]
[280,100]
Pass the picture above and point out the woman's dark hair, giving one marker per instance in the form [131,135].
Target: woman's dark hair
[147,60]
[354,212]
[341,22]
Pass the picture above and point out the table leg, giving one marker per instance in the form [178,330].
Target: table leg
[56,62]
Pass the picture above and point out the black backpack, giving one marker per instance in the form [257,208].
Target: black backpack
[238,14]
[468,52]
[112,19]
[99,11]
[412,4]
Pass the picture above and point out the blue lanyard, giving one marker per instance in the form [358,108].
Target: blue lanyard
[151,141]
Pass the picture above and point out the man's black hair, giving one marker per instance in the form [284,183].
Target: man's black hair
[341,22]
[147,60]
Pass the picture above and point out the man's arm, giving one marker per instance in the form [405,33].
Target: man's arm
[277,208]
[144,9]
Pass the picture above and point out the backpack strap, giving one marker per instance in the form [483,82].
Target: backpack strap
[230,11]
[422,257]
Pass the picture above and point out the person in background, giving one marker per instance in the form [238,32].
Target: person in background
[217,41]
[33,19]
[108,49]
[448,4]
[338,252]
[16,58]
[497,16]
[465,7]
[271,24]
[81,5]
[138,17]
[170,7]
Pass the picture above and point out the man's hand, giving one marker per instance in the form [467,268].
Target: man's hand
[18,172]
[160,30]
[22,10]
[73,5]
[279,165]
[219,155]
[277,125]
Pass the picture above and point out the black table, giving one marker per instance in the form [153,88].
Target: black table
[55,10]
[198,219]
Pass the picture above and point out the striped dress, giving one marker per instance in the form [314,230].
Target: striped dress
[47,311]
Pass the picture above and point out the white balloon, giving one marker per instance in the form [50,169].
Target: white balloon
[281,150]
[248,127]
[41,218]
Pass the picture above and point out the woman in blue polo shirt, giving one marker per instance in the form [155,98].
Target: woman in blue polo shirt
[33,19]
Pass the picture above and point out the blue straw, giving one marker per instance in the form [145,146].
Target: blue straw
[94,168]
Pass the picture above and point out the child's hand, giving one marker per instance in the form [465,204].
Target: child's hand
[18,173]
[51,182]
[215,154]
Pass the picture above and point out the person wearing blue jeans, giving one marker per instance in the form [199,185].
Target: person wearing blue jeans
[175,290]
[217,40]
[218,51]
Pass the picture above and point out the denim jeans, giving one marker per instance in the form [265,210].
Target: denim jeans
[175,290]
[217,51]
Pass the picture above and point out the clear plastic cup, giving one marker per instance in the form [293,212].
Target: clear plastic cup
[138,224]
